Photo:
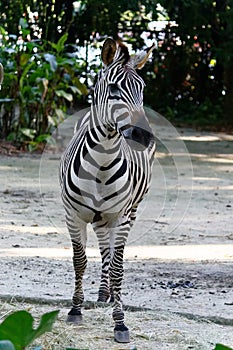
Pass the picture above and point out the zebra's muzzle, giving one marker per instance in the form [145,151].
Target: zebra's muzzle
[136,137]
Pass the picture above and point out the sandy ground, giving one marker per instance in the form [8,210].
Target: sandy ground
[179,257]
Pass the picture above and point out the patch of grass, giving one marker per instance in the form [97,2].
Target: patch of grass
[148,330]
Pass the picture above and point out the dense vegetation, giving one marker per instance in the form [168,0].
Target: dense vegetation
[49,50]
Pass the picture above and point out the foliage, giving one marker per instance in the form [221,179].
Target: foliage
[191,69]
[46,21]
[39,86]
[46,50]
[221,347]
[17,329]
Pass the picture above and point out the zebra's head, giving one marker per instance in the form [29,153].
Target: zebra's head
[118,94]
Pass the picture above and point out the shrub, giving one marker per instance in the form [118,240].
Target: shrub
[41,81]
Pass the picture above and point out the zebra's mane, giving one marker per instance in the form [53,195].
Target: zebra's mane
[123,52]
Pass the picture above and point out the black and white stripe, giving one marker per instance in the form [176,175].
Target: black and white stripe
[105,173]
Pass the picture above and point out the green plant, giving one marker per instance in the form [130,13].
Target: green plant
[222,347]
[41,82]
[17,332]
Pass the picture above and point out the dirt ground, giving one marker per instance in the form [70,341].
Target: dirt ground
[179,256]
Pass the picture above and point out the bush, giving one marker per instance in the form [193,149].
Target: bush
[41,81]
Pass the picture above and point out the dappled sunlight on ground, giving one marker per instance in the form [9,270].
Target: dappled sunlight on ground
[199,252]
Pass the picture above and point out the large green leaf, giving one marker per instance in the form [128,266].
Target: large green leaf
[46,323]
[18,328]
[222,347]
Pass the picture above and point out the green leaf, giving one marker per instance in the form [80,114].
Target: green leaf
[30,133]
[46,323]
[24,74]
[59,46]
[52,61]
[24,58]
[61,42]
[3,31]
[66,61]
[31,45]
[62,93]
[222,347]
[6,345]
[75,90]
[12,136]
[18,328]
[81,87]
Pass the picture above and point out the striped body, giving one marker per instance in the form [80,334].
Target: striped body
[105,173]
[102,176]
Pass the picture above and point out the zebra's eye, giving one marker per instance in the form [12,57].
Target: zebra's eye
[114,89]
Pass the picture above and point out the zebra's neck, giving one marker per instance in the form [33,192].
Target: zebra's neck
[104,140]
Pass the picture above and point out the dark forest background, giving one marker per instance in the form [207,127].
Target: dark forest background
[50,53]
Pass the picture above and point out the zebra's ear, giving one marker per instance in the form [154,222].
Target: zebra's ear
[108,51]
[139,60]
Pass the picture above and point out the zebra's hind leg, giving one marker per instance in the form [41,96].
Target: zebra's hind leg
[121,332]
[133,215]
[78,238]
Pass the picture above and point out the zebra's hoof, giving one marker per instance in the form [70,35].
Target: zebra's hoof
[74,316]
[121,334]
[75,319]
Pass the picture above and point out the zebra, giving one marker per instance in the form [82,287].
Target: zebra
[105,172]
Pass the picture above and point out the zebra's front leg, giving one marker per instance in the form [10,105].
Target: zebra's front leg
[79,262]
[121,332]
[102,233]
[105,290]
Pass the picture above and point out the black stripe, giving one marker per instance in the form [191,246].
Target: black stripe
[120,172]
[111,165]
